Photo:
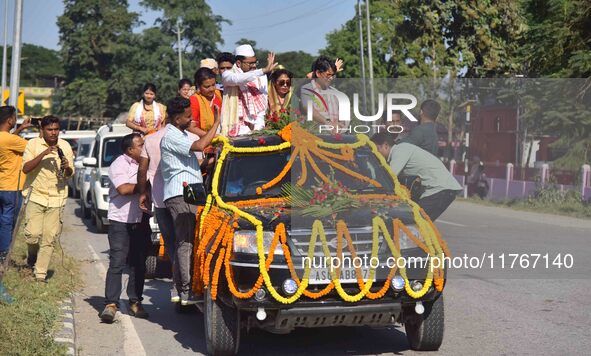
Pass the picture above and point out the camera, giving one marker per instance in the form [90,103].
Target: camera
[36,121]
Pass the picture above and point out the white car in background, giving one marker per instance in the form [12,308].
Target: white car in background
[82,174]
[107,148]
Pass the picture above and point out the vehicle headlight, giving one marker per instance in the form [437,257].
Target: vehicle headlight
[245,241]
[105,181]
[405,241]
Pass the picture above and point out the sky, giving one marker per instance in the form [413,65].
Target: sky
[279,26]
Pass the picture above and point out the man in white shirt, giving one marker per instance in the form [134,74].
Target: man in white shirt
[245,98]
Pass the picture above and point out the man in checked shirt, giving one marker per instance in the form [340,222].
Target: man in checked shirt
[179,164]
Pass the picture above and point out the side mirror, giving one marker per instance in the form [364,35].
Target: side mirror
[195,194]
[89,162]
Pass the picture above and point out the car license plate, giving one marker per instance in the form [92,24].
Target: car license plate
[347,275]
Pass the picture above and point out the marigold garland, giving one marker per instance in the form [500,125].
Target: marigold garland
[258,202]
[307,144]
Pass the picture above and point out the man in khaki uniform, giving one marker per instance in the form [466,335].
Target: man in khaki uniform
[47,161]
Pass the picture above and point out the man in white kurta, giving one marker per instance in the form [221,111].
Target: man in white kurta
[245,100]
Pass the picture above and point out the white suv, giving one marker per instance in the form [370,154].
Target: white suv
[107,148]
[83,174]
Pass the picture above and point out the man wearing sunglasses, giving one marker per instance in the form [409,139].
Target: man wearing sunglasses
[245,93]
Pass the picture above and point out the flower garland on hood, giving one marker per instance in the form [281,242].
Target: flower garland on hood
[218,221]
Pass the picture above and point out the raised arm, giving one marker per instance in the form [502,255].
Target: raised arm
[25,125]
[32,162]
[230,78]
[204,141]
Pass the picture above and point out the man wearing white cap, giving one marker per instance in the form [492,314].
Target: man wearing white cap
[245,93]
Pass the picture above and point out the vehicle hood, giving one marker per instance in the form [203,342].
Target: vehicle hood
[355,218]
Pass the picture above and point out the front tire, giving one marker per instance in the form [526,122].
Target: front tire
[425,332]
[222,327]
[84,211]
[151,267]
[101,228]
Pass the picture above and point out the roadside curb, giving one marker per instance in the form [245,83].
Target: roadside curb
[67,335]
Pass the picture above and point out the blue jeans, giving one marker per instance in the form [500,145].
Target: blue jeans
[10,205]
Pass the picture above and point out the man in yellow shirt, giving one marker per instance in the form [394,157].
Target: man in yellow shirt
[47,161]
[12,147]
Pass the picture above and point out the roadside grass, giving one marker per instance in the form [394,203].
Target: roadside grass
[28,324]
[550,201]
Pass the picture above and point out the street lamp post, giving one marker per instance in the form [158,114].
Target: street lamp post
[16,53]
[370,59]
[359,18]
[179,32]
[4,50]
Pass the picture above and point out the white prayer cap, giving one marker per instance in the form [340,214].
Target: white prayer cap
[244,50]
[209,63]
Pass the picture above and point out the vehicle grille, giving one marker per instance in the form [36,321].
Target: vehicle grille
[361,237]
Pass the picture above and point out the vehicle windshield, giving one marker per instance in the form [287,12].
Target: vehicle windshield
[73,143]
[245,172]
[111,150]
[84,150]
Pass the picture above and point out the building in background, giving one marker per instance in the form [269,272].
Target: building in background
[38,101]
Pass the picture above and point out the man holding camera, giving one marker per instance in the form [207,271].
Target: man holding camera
[12,147]
[48,163]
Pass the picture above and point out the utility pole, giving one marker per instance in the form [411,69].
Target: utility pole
[370,59]
[359,17]
[4,50]
[179,32]
[15,69]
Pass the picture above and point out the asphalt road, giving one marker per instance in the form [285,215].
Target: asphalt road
[488,311]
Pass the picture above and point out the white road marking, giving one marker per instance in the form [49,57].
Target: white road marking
[132,345]
[449,223]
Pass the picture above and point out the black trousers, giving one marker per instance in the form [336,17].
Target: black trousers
[183,217]
[434,205]
[128,246]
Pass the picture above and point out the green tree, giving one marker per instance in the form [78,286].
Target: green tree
[40,66]
[558,40]
[433,39]
[201,27]
[93,34]
[297,62]
[244,41]
[150,58]
[557,44]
